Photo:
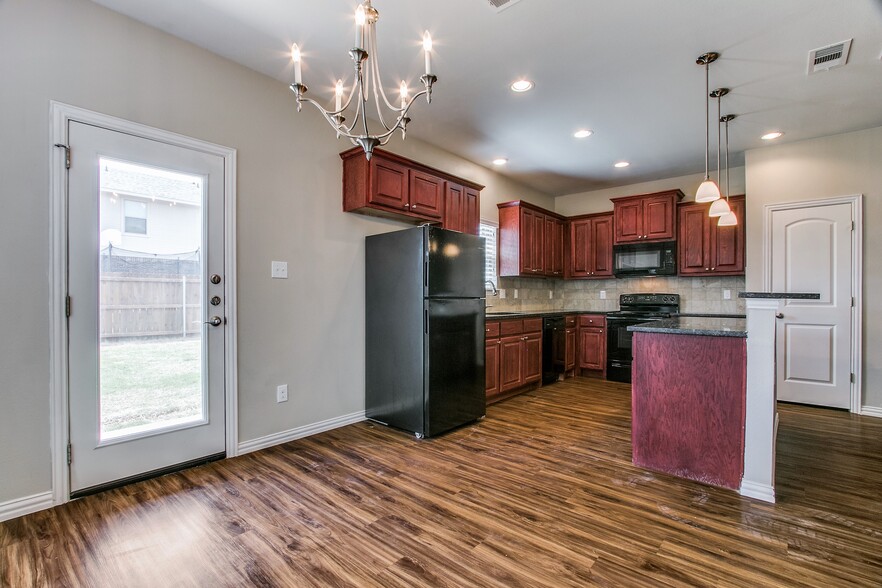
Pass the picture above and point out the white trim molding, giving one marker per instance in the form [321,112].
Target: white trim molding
[872,411]
[12,509]
[856,202]
[60,116]
[300,432]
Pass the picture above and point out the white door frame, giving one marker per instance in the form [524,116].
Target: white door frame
[60,115]
[857,260]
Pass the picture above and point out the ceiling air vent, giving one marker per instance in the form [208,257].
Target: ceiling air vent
[828,57]
[501,5]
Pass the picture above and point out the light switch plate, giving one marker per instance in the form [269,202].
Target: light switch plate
[282,393]
[279,269]
[501,292]
[551,294]
[727,294]
[603,294]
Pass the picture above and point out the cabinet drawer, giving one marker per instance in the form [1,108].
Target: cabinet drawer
[533,325]
[570,321]
[511,327]
[592,320]
[491,330]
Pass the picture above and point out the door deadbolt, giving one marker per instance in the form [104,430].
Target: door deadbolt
[215,279]
[215,300]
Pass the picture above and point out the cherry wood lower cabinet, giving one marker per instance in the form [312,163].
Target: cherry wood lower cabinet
[395,187]
[592,344]
[513,356]
[571,344]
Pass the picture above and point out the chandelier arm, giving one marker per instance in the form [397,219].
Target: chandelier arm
[375,71]
[376,57]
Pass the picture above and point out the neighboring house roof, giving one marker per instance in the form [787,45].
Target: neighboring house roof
[146,182]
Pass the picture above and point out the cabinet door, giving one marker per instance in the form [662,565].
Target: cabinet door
[629,221]
[511,363]
[570,356]
[527,239]
[454,198]
[491,368]
[727,243]
[592,348]
[426,194]
[532,358]
[548,245]
[557,256]
[601,259]
[472,212]
[694,240]
[538,245]
[580,248]
[658,218]
[389,184]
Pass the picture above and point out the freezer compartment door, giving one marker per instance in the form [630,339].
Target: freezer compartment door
[455,364]
[454,264]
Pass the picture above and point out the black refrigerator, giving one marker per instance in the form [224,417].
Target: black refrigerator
[424,301]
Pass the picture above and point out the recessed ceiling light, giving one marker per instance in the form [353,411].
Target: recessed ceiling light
[772,135]
[582,133]
[522,86]
[500,161]
[622,164]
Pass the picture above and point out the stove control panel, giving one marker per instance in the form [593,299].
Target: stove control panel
[648,299]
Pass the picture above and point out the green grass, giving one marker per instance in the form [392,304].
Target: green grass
[149,382]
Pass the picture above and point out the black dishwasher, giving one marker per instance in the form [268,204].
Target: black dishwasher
[553,346]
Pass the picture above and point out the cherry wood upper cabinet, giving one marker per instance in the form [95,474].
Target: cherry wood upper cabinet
[646,217]
[531,241]
[706,249]
[395,187]
[589,252]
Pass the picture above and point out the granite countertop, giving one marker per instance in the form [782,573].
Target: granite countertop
[708,326]
[709,315]
[542,313]
[782,295]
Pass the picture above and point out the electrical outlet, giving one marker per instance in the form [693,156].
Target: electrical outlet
[501,292]
[551,294]
[603,294]
[282,393]
[279,269]
[515,292]
[727,294]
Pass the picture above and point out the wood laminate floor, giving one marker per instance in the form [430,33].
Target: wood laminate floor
[541,493]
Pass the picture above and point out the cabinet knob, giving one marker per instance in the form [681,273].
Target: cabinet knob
[405,205]
[412,206]
[707,269]
[713,269]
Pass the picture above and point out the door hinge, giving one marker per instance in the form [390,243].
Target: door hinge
[69,453]
[852,301]
[66,154]
[852,225]
[851,377]
[67,306]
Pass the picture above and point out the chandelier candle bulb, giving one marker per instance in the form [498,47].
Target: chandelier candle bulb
[403,90]
[427,46]
[295,55]
[338,95]
[359,27]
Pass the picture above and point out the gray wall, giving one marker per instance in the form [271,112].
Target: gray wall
[306,331]
[841,165]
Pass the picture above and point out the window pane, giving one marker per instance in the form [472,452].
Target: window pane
[136,209]
[488,231]
[136,225]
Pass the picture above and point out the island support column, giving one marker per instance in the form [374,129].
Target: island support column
[761,424]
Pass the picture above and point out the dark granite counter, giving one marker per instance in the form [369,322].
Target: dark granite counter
[781,295]
[490,315]
[709,315]
[707,326]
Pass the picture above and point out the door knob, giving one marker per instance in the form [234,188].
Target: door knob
[215,279]
[779,315]
[214,321]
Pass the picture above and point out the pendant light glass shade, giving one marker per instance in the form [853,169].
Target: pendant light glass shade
[708,191]
[719,208]
[728,220]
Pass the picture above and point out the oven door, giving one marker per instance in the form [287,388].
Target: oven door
[618,347]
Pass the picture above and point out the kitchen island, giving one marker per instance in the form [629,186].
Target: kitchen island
[688,398]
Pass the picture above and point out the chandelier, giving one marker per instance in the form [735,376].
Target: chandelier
[365,58]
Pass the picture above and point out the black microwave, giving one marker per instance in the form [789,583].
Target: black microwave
[645,259]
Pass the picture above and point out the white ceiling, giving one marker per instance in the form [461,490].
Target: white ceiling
[624,69]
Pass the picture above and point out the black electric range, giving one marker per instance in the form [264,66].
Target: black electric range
[633,310]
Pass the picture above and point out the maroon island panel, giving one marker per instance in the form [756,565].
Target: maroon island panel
[688,406]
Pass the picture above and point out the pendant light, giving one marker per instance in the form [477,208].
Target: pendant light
[708,191]
[728,219]
[721,206]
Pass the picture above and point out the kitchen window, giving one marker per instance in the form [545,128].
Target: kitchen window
[489,232]
[135,217]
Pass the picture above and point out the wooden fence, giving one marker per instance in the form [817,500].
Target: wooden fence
[154,306]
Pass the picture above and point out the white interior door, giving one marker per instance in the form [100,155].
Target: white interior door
[811,251]
[145,279]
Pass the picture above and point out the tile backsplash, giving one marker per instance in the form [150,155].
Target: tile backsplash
[697,295]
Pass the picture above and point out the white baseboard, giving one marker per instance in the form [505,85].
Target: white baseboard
[12,509]
[300,432]
[762,492]
[873,411]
